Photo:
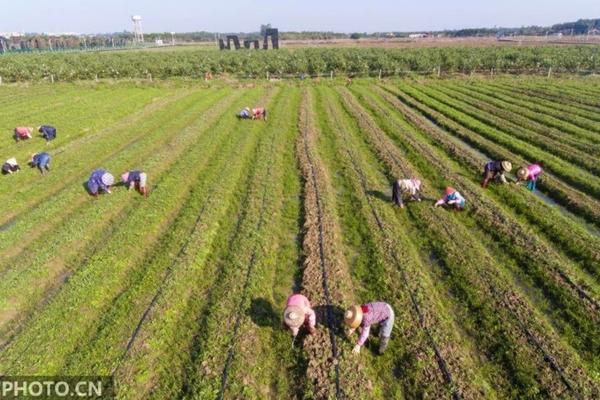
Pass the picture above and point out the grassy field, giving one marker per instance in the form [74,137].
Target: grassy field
[180,295]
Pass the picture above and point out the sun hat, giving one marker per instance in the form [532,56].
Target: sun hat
[522,173]
[506,166]
[108,179]
[293,316]
[125,176]
[353,316]
[12,161]
[417,183]
[450,190]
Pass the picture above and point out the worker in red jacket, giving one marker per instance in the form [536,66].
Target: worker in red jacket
[259,113]
[23,133]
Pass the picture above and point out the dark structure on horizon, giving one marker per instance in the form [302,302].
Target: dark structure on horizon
[272,33]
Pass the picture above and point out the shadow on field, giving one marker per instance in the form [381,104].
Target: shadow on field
[337,315]
[262,313]
[380,195]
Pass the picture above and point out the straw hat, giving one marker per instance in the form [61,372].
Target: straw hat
[450,190]
[353,316]
[108,179]
[506,166]
[12,161]
[417,183]
[522,173]
[125,176]
[293,316]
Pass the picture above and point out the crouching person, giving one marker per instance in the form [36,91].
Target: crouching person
[530,175]
[297,313]
[11,165]
[452,199]
[48,132]
[259,113]
[40,161]
[411,187]
[244,114]
[137,179]
[366,315]
[100,181]
[22,133]
[494,170]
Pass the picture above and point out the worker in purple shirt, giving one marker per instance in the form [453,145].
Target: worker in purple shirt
[137,179]
[364,316]
[48,132]
[100,180]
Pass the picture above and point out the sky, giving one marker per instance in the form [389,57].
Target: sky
[86,16]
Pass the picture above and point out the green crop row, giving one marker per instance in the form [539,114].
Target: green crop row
[574,117]
[165,64]
[545,118]
[512,120]
[572,175]
[558,279]
[578,202]
[486,286]
[92,287]
[503,123]
[563,231]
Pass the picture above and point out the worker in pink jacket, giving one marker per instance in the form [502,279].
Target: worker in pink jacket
[529,174]
[259,113]
[23,133]
[364,316]
[297,313]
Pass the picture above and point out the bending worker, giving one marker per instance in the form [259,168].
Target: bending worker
[100,180]
[495,170]
[529,174]
[364,316]
[41,161]
[259,113]
[297,313]
[453,199]
[406,186]
[244,114]
[11,165]
[48,132]
[22,133]
[137,179]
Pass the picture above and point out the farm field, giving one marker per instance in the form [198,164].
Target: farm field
[181,294]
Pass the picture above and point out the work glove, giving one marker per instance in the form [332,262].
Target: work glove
[356,349]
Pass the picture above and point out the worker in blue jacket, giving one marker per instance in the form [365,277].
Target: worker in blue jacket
[100,180]
[48,132]
[41,161]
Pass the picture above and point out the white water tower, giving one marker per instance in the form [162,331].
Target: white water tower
[137,29]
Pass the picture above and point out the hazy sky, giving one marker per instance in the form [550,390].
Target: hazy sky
[240,15]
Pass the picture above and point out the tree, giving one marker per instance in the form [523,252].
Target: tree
[355,36]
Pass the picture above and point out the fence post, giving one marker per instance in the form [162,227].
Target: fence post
[439,71]
[267,75]
[150,76]
[52,78]
[96,78]
[0,80]
[491,72]
[549,72]
[379,74]
[331,75]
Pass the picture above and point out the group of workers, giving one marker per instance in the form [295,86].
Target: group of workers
[40,160]
[298,313]
[493,170]
[101,181]
[255,113]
